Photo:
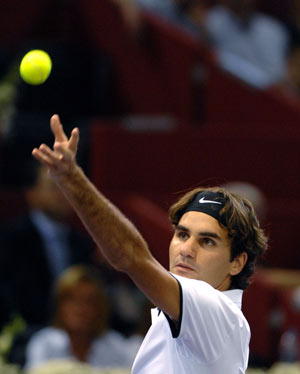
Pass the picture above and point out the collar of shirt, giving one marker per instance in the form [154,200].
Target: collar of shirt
[47,226]
[235,296]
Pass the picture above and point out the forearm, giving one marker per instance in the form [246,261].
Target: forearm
[118,239]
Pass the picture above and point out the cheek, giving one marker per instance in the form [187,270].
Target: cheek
[173,248]
[213,262]
[64,312]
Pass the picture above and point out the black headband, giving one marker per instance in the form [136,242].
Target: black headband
[207,202]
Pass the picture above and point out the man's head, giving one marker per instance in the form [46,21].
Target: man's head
[81,304]
[41,193]
[217,238]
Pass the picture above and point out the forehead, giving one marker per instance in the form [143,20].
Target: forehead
[82,287]
[202,222]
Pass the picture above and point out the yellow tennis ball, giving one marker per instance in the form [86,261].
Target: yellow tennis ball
[35,67]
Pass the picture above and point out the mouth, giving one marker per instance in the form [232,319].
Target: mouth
[184,267]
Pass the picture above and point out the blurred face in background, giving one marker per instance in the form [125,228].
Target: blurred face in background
[79,309]
[44,195]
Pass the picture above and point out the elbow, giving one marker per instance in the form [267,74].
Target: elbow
[130,259]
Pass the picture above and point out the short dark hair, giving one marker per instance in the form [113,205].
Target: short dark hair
[243,228]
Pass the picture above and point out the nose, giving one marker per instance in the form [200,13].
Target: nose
[188,248]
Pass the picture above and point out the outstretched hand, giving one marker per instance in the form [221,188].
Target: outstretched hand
[61,160]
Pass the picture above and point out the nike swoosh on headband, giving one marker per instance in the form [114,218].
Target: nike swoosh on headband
[203,201]
[207,202]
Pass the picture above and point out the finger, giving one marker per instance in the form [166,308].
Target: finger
[41,157]
[57,129]
[62,153]
[74,139]
[54,156]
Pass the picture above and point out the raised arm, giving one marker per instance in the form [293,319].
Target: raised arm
[120,242]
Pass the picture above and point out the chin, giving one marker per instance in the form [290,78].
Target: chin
[187,273]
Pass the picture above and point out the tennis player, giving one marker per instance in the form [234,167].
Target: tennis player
[198,326]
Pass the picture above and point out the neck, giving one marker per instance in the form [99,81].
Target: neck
[225,285]
[80,345]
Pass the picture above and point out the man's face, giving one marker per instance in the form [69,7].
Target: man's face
[79,309]
[46,196]
[200,249]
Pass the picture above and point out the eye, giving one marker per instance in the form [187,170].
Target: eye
[208,241]
[182,235]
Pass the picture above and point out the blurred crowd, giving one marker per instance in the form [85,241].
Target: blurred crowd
[52,276]
[260,47]
[255,40]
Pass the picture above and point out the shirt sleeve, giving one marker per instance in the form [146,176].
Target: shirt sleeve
[208,319]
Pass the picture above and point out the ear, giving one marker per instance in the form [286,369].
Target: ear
[238,263]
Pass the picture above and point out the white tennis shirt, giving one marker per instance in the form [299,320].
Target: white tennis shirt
[212,336]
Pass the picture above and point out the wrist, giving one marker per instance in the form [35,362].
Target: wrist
[70,176]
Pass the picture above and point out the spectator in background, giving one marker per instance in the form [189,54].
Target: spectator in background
[79,329]
[249,44]
[167,9]
[36,248]
[291,81]
[187,14]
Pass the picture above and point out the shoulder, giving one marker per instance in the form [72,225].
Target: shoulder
[49,335]
[111,341]
[110,337]
[195,286]
[200,298]
[210,319]
[46,344]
